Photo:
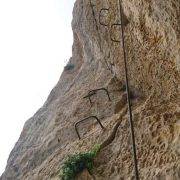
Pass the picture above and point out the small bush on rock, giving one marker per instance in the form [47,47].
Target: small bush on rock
[69,67]
[77,163]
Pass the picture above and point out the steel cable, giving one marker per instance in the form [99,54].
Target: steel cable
[128,96]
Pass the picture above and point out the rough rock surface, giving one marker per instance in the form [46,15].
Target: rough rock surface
[152,37]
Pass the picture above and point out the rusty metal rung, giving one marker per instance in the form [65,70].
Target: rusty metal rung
[100,14]
[76,124]
[93,92]
[112,39]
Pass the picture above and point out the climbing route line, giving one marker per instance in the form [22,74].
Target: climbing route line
[110,68]
[94,91]
[85,119]
[122,24]
[128,95]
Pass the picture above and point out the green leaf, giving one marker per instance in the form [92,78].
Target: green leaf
[78,162]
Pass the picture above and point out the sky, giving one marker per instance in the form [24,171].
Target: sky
[35,43]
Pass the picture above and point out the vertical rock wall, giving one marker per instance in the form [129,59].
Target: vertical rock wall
[152,34]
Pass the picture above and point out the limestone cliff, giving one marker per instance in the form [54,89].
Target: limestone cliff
[152,37]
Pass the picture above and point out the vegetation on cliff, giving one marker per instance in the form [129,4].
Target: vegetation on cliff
[78,162]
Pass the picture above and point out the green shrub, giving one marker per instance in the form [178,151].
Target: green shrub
[69,67]
[77,163]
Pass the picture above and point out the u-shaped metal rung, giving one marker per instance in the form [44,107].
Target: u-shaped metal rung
[76,124]
[89,96]
[100,89]
[93,92]
[100,13]
[112,39]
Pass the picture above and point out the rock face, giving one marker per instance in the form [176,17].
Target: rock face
[152,40]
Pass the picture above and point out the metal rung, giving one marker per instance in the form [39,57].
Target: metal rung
[93,92]
[100,14]
[77,123]
[113,25]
